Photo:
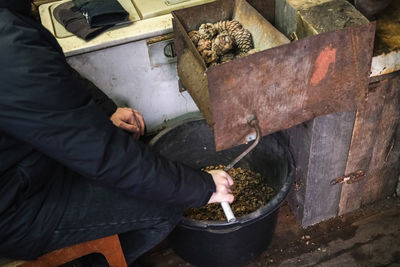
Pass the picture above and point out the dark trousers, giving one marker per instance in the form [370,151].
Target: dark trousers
[95,211]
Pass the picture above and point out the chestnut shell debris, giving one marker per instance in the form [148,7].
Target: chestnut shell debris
[214,41]
[249,189]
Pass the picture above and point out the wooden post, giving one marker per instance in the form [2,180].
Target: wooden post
[320,150]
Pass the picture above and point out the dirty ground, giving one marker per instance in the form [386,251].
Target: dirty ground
[367,237]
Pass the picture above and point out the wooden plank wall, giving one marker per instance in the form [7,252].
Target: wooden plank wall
[375,145]
[330,146]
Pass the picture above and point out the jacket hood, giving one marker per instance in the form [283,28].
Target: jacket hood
[20,6]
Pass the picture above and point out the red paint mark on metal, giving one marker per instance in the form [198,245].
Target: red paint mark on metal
[324,60]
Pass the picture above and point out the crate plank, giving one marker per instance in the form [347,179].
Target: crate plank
[384,166]
[322,150]
[375,145]
[364,136]
[299,141]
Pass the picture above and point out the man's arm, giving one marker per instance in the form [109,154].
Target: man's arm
[99,97]
[125,118]
[41,104]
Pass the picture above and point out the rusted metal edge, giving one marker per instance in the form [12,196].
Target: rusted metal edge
[157,39]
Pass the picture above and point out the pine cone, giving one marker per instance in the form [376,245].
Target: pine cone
[241,54]
[207,31]
[227,57]
[204,44]
[222,43]
[222,25]
[243,40]
[233,26]
[194,36]
[209,56]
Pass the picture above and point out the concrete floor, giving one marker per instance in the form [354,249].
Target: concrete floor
[367,237]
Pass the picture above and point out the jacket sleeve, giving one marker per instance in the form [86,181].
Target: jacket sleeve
[41,104]
[99,97]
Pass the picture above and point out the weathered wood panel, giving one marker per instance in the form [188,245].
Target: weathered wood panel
[384,167]
[299,141]
[362,144]
[330,147]
[375,145]
[316,200]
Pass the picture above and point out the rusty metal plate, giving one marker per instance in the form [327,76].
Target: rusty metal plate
[290,84]
[283,86]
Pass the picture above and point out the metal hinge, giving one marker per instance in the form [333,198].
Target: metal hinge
[350,178]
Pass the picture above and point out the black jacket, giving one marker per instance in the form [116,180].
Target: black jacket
[51,129]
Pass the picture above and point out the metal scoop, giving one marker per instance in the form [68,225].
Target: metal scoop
[253,122]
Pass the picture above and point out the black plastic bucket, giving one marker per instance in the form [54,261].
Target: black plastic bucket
[216,243]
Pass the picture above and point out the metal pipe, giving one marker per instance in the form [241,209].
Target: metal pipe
[253,122]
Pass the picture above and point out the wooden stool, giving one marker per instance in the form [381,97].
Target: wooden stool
[109,246]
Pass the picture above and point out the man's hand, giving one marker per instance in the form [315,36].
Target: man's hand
[223,182]
[130,120]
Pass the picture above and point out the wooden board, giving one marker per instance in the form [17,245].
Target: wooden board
[375,145]
[362,144]
[327,140]
[384,166]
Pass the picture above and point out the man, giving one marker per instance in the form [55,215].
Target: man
[67,174]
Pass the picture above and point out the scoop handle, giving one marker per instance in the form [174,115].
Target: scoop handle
[230,217]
